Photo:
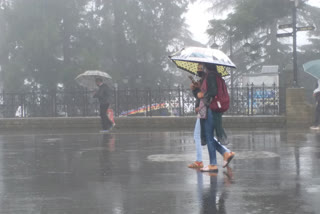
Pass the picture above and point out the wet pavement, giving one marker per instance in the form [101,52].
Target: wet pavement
[274,171]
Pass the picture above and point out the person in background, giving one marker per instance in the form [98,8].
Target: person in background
[316,94]
[103,95]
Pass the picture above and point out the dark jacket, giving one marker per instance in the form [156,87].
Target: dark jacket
[103,94]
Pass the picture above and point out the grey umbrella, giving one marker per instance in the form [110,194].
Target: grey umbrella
[87,79]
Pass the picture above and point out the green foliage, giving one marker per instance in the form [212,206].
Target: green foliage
[50,42]
[255,22]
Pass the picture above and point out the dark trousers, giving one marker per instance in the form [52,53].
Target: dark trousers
[106,123]
[203,131]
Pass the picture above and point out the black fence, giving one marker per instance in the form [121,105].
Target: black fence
[248,100]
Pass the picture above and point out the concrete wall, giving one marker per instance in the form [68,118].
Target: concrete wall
[138,122]
[298,112]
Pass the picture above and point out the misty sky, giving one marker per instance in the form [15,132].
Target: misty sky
[198,16]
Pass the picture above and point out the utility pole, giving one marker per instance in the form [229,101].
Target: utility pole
[231,73]
[294,35]
[231,55]
[295,29]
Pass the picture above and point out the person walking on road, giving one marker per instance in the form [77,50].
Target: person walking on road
[316,94]
[199,134]
[213,120]
[103,95]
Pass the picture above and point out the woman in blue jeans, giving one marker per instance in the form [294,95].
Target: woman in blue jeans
[212,121]
[197,139]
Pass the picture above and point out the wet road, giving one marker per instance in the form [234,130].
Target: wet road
[274,171]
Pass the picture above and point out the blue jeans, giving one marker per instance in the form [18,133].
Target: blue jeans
[197,139]
[212,143]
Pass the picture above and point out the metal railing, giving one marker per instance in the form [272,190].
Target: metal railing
[247,100]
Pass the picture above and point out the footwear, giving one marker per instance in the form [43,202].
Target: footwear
[196,164]
[315,127]
[211,174]
[227,157]
[209,168]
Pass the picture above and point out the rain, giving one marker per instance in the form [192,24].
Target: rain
[157,106]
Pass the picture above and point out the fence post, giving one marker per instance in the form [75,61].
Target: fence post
[53,104]
[183,93]
[232,99]
[114,101]
[263,109]
[252,99]
[170,103]
[21,105]
[117,101]
[127,100]
[179,99]
[274,97]
[150,102]
[237,100]
[248,98]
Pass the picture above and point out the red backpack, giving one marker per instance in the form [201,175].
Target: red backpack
[221,102]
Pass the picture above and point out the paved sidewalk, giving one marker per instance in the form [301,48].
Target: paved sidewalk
[130,172]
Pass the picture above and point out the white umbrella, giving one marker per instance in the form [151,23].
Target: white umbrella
[188,59]
[87,79]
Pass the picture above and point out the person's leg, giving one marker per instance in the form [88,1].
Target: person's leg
[209,137]
[104,117]
[220,148]
[225,152]
[197,140]
[108,120]
[203,132]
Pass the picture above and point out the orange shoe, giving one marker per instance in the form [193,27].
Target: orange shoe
[227,157]
[196,164]
[210,168]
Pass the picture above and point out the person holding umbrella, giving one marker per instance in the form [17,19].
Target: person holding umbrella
[188,59]
[103,95]
[91,80]
[198,134]
[213,120]
[316,94]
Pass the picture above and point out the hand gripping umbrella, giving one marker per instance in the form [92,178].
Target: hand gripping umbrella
[189,58]
[87,79]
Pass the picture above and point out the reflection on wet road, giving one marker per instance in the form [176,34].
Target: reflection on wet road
[274,171]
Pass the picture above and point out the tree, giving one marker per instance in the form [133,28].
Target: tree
[47,43]
[254,22]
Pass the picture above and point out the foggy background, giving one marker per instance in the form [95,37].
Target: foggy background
[44,45]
